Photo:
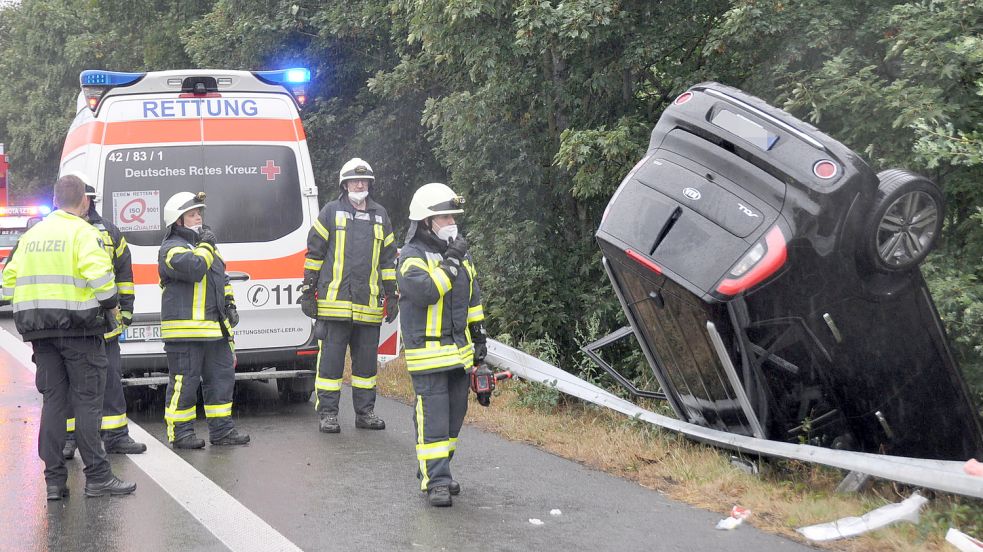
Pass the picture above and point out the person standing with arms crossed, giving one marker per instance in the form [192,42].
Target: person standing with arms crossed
[350,252]
[197,312]
[443,333]
[115,431]
[63,293]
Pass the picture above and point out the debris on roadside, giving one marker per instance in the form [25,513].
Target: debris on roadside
[973,467]
[906,510]
[555,512]
[737,516]
[962,541]
[535,521]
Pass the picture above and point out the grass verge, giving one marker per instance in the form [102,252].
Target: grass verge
[783,496]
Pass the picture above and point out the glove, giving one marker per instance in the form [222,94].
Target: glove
[206,235]
[457,249]
[479,338]
[232,314]
[127,319]
[308,298]
[392,307]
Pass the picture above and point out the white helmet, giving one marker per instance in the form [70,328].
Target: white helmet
[435,199]
[180,203]
[355,169]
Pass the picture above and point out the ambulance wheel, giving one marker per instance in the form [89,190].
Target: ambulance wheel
[905,222]
[295,390]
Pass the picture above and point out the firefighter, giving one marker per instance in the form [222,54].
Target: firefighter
[198,312]
[443,334]
[64,300]
[115,433]
[350,252]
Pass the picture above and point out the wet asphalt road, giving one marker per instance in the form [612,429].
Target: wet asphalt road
[352,491]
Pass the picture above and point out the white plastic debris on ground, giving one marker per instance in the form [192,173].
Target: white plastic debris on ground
[962,541]
[906,510]
[555,512]
[737,516]
[535,521]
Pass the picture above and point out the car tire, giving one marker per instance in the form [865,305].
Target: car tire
[904,223]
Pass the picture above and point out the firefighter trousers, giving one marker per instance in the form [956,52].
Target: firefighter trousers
[336,337]
[208,364]
[438,414]
[71,373]
[114,419]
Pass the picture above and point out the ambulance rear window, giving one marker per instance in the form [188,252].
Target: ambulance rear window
[253,191]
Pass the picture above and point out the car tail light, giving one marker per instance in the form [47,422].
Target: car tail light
[308,352]
[760,262]
[640,259]
[683,98]
[825,169]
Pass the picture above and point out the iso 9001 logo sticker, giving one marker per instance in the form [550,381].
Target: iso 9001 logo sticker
[691,193]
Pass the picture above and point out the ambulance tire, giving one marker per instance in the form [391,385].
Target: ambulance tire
[295,390]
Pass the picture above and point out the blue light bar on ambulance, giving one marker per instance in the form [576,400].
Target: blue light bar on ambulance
[95,83]
[294,80]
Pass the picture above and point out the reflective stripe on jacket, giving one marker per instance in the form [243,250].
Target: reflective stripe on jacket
[351,253]
[195,289]
[435,309]
[60,282]
[119,252]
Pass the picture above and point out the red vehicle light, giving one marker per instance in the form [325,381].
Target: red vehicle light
[683,98]
[307,352]
[643,261]
[825,169]
[773,259]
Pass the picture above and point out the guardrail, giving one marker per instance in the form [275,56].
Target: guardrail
[940,475]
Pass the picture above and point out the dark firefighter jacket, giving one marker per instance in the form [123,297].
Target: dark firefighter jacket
[435,309]
[196,289]
[119,252]
[61,281]
[349,254]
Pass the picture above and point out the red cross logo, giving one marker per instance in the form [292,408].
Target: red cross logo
[270,170]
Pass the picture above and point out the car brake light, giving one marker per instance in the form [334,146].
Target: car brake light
[757,264]
[683,98]
[643,261]
[825,169]
[95,84]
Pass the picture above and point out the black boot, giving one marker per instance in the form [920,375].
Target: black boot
[439,496]
[328,424]
[232,438]
[369,421]
[111,486]
[69,449]
[454,488]
[189,442]
[57,492]
[125,445]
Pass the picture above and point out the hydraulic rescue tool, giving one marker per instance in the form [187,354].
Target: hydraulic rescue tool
[483,381]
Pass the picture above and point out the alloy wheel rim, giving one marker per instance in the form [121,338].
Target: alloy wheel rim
[907,228]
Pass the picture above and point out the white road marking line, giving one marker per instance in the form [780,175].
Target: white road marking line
[225,517]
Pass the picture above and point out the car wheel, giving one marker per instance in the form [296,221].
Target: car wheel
[905,222]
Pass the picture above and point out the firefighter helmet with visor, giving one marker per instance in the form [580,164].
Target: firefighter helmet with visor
[180,203]
[435,199]
[355,169]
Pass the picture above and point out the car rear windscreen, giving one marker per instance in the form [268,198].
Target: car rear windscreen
[253,191]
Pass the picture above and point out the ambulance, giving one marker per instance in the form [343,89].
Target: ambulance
[238,137]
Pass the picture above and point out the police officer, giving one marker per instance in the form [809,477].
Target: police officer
[443,336]
[350,252]
[115,430]
[64,299]
[197,315]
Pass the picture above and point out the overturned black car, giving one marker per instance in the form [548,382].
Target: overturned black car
[772,281]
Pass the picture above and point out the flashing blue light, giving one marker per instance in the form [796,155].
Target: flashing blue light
[94,77]
[296,75]
[44,209]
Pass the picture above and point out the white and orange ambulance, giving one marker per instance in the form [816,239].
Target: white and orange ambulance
[237,136]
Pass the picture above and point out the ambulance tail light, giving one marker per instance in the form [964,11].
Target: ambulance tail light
[760,262]
[294,80]
[96,83]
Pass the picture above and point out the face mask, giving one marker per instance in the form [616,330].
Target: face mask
[447,233]
[358,197]
[195,229]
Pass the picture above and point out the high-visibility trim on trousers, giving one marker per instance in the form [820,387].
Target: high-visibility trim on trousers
[433,357]
[364,383]
[113,422]
[430,451]
[218,410]
[424,473]
[326,384]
